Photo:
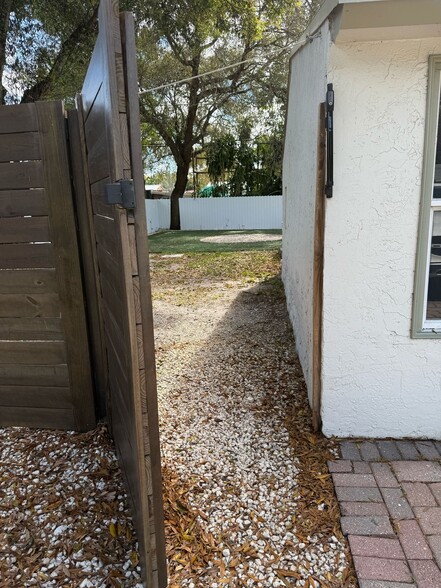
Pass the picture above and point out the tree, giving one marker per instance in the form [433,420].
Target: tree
[45,46]
[181,39]
[246,166]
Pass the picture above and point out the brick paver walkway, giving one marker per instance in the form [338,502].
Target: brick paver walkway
[390,500]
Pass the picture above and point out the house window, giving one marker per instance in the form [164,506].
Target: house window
[427,297]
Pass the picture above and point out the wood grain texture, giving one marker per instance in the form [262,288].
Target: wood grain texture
[105,118]
[33,352]
[34,375]
[30,329]
[319,240]
[30,281]
[35,396]
[24,229]
[86,233]
[27,255]
[23,202]
[106,234]
[63,231]
[21,175]
[100,93]
[98,204]
[37,418]
[97,141]
[30,305]
[149,416]
[18,118]
[19,147]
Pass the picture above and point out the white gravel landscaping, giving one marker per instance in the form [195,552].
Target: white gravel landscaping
[64,519]
[248,498]
[227,374]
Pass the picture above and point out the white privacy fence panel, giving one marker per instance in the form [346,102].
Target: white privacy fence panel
[213,214]
[158,215]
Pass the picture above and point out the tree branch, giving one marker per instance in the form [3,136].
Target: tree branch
[79,37]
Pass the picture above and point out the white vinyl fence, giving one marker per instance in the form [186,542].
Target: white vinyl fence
[217,214]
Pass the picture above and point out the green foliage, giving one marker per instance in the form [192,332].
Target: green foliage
[189,242]
[47,47]
[181,39]
[246,166]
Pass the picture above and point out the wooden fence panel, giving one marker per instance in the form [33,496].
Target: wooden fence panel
[45,374]
[128,333]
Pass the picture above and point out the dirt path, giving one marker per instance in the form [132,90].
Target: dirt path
[249,501]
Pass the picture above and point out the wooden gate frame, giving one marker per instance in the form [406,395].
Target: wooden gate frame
[115,100]
[105,147]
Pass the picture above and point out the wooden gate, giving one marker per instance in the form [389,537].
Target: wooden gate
[45,373]
[108,121]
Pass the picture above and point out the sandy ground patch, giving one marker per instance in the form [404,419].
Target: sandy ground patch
[241,238]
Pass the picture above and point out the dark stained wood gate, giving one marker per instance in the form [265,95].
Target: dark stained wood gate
[76,327]
[45,371]
[116,237]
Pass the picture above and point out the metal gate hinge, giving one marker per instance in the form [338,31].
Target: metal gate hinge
[122,192]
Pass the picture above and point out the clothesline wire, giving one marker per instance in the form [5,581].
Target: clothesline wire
[225,67]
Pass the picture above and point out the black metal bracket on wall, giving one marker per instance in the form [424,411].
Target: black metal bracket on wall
[121,192]
[329,121]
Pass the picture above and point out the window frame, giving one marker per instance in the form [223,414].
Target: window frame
[421,327]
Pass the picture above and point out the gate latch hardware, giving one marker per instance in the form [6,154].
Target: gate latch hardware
[121,192]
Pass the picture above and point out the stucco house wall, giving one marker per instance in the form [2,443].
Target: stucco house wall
[306,91]
[377,380]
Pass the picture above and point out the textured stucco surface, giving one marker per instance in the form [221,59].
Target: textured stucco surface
[377,381]
[307,90]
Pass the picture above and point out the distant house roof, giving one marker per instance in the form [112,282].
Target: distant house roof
[372,20]
[155,187]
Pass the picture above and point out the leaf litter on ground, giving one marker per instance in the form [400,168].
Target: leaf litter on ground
[247,495]
[249,500]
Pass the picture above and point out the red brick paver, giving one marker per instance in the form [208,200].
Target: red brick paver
[379,584]
[417,471]
[384,476]
[354,480]
[376,547]
[429,518]
[390,501]
[374,568]
[436,491]
[375,526]
[363,509]
[426,573]
[412,539]
[418,494]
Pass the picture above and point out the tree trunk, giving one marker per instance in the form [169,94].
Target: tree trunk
[178,192]
[5,10]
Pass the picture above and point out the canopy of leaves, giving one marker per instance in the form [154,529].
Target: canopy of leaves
[178,40]
[245,166]
[45,46]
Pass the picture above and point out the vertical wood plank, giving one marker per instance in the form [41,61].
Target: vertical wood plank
[319,241]
[52,125]
[142,508]
[151,424]
[86,236]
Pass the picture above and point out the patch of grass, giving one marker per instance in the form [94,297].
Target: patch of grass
[172,242]
[199,268]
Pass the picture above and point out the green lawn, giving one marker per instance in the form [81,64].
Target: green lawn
[170,242]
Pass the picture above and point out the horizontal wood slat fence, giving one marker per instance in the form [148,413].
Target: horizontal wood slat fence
[45,373]
[76,321]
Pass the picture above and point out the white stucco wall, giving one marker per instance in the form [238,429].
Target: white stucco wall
[377,381]
[307,90]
